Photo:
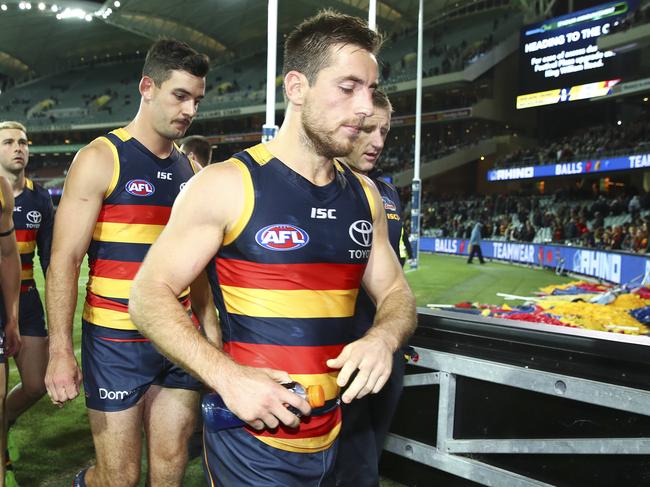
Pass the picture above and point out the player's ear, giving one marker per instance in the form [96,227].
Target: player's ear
[146,88]
[295,87]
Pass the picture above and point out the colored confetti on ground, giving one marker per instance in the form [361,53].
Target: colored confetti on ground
[578,304]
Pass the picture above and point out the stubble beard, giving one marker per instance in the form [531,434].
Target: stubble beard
[316,137]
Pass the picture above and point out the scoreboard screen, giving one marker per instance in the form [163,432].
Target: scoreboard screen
[559,59]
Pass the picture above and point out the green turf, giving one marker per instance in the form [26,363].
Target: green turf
[448,279]
[55,443]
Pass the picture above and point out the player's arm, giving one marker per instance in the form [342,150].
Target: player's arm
[83,194]
[44,234]
[204,309]
[9,269]
[395,319]
[208,207]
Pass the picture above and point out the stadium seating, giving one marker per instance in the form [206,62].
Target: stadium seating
[106,93]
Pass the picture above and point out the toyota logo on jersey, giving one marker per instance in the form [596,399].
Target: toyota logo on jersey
[140,187]
[34,216]
[361,233]
[281,237]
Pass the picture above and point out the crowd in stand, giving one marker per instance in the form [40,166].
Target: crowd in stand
[567,220]
[587,143]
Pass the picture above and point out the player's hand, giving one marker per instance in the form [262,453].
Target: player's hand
[12,339]
[256,396]
[372,357]
[63,377]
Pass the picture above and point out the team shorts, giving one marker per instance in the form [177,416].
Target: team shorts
[31,317]
[234,457]
[120,365]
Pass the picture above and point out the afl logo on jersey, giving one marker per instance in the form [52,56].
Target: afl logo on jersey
[388,204]
[140,187]
[34,216]
[281,237]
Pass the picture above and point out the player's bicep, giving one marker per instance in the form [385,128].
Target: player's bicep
[83,195]
[7,242]
[7,215]
[383,272]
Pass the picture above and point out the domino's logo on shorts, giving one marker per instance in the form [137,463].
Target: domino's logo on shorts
[140,187]
[113,395]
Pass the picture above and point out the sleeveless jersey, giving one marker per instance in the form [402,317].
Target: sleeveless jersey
[288,277]
[136,208]
[365,310]
[33,219]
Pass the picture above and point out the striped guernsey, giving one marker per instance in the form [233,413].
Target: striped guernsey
[136,208]
[288,276]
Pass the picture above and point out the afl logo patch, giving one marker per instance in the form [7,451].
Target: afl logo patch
[34,216]
[140,187]
[281,237]
[389,204]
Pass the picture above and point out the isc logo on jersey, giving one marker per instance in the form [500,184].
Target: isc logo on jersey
[281,237]
[140,187]
[388,204]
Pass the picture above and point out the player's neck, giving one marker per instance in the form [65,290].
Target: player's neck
[355,169]
[142,130]
[289,148]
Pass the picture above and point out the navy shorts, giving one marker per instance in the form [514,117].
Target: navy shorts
[31,318]
[120,365]
[366,423]
[234,457]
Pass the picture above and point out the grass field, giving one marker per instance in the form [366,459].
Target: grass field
[55,443]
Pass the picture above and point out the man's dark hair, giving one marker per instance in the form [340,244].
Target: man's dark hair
[167,55]
[199,146]
[307,48]
[380,100]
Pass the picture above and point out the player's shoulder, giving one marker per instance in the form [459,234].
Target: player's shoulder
[228,170]
[39,191]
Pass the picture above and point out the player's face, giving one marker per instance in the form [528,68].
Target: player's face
[14,150]
[370,143]
[339,100]
[175,103]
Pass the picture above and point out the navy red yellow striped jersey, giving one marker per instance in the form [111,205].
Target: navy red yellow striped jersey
[136,208]
[288,276]
[365,309]
[33,220]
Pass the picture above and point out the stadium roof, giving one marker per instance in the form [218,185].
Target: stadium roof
[35,39]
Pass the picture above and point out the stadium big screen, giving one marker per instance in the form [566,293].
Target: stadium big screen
[559,60]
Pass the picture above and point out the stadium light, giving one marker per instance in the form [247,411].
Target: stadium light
[21,5]
[116,4]
[28,5]
[41,6]
[619,122]
[54,8]
[645,99]
[72,13]
[3,7]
